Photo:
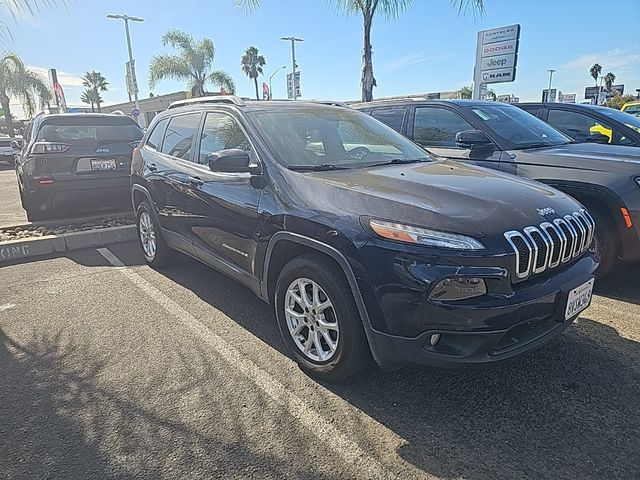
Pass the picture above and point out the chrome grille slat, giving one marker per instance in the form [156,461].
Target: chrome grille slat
[541,247]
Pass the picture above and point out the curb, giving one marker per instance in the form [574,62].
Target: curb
[71,221]
[26,248]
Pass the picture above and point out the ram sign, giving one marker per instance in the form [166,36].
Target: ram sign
[496,56]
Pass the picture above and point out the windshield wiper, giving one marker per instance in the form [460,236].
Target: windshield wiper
[316,168]
[398,161]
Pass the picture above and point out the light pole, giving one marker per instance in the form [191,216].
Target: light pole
[126,19]
[551,70]
[276,71]
[293,41]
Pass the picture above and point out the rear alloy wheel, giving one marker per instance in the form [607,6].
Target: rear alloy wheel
[319,320]
[155,250]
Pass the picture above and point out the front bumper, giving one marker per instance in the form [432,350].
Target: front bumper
[483,330]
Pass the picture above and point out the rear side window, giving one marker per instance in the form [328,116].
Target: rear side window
[179,135]
[390,116]
[77,130]
[157,134]
[437,127]
[531,109]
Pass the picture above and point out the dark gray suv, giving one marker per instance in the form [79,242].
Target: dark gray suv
[604,178]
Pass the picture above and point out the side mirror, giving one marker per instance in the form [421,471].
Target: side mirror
[471,139]
[232,160]
[598,138]
[15,145]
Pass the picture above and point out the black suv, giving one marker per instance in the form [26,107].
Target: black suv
[361,241]
[76,163]
[604,178]
[589,123]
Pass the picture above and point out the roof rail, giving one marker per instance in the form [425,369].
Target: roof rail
[328,102]
[232,99]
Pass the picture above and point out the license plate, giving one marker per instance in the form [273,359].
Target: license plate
[100,165]
[579,299]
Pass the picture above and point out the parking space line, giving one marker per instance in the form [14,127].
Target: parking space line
[366,465]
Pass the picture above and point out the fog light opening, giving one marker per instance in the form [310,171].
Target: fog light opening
[435,338]
[458,288]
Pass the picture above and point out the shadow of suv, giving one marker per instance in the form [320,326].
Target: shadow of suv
[364,244]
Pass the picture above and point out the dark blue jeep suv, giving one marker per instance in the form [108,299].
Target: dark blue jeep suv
[365,245]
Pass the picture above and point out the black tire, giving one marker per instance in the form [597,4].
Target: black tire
[36,215]
[605,243]
[351,353]
[163,255]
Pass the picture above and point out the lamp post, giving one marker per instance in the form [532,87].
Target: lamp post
[551,71]
[126,19]
[293,41]
[270,77]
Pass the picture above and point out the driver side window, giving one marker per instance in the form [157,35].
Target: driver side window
[579,126]
[221,132]
[437,127]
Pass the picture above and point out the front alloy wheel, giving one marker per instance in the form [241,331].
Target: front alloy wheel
[311,320]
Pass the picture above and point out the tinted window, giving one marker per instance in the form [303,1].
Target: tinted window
[155,139]
[437,127]
[89,130]
[179,135]
[577,125]
[530,109]
[221,132]
[516,128]
[390,116]
[348,138]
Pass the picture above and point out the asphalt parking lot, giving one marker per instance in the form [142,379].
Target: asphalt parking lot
[126,372]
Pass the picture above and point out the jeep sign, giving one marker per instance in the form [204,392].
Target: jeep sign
[496,57]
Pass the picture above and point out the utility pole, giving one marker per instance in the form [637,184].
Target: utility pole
[551,71]
[293,41]
[270,77]
[126,19]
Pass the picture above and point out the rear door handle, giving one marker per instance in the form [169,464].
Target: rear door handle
[152,166]
[197,181]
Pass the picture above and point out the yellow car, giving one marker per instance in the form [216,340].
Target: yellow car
[632,107]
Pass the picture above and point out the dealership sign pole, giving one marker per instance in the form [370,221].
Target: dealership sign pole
[496,57]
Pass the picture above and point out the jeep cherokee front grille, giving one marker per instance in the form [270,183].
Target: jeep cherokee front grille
[545,246]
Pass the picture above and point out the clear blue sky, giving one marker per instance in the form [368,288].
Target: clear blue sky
[429,48]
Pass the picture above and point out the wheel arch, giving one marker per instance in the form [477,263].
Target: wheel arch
[296,245]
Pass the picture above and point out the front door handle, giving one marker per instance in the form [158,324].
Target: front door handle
[197,181]
[152,166]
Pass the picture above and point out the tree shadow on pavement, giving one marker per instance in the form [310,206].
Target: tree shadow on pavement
[566,410]
[60,417]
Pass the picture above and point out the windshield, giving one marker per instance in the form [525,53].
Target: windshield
[517,128]
[633,109]
[327,137]
[89,130]
[622,117]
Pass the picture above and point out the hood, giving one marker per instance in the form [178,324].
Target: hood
[443,195]
[600,156]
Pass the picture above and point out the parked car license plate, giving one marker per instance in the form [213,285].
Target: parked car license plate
[100,165]
[579,299]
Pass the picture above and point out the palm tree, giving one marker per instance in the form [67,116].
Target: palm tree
[595,71]
[91,97]
[96,82]
[252,64]
[465,92]
[22,8]
[368,9]
[18,81]
[193,64]
[609,78]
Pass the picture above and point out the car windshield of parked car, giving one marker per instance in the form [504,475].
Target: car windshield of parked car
[625,117]
[330,137]
[78,130]
[517,128]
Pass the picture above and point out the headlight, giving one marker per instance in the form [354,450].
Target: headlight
[424,236]
[458,289]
